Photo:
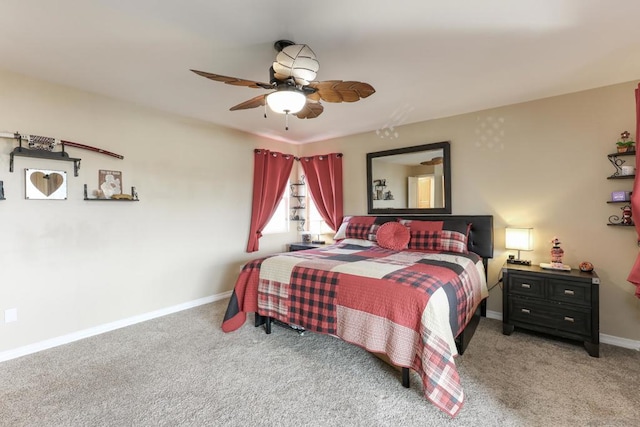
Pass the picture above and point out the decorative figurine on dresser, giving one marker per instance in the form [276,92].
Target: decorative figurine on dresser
[559,302]
[556,253]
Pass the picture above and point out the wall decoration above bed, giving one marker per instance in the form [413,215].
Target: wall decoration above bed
[410,180]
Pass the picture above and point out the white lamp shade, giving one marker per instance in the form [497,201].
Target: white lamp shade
[519,238]
[319,227]
[296,61]
[286,101]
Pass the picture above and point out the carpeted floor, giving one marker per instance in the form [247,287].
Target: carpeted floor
[182,369]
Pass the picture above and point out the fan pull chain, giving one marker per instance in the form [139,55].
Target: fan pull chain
[286,119]
[265,110]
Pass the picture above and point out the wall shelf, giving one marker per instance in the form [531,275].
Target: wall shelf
[617,162]
[43,154]
[134,197]
[297,192]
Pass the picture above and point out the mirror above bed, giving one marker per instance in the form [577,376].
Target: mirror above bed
[410,180]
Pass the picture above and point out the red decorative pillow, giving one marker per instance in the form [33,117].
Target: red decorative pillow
[393,235]
[447,235]
[358,227]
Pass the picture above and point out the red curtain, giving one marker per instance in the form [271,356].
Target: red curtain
[324,179]
[271,172]
[634,276]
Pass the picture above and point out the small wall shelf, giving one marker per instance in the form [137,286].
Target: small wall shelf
[44,154]
[298,193]
[134,197]
[617,162]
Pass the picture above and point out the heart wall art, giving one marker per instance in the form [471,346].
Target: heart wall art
[45,184]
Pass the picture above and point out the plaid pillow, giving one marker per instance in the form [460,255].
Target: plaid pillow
[438,236]
[360,227]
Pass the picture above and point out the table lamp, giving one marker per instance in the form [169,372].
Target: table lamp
[318,228]
[520,239]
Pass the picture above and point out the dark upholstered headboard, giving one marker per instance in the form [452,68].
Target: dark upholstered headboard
[480,237]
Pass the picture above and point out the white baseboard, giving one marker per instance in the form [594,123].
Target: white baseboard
[100,329]
[86,333]
[494,315]
[620,342]
[604,338]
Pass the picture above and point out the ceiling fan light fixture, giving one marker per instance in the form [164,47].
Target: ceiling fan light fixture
[286,101]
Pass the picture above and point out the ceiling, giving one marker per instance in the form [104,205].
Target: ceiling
[426,59]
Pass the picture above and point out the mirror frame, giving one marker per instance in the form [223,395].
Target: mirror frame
[446,149]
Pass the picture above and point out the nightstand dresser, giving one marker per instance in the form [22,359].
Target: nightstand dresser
[560,303]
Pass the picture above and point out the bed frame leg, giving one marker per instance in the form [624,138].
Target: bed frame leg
[267,325]
[259,320]
[405,378]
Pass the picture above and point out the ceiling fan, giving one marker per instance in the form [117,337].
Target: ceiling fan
[434,161]
[293,90]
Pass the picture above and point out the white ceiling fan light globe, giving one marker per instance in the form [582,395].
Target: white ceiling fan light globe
[297,61]
[286,101]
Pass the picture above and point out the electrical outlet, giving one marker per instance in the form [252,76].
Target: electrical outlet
[11,315]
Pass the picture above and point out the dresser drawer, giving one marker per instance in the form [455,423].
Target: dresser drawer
[553,316]
[569,291]
[525,285]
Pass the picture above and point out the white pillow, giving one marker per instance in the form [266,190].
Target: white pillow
[358,242]
[342,230]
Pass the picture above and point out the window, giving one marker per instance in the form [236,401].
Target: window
[279,222]
[316,223]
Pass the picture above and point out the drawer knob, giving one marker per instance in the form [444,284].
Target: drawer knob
[569,319]
[526,310]
[569,292]
[526,285]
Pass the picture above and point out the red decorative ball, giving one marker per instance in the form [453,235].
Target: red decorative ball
[586,266]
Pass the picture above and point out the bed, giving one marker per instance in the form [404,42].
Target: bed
[411,288]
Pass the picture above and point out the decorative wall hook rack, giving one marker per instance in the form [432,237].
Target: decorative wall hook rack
[43,154]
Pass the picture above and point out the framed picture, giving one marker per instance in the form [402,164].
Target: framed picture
[44,184]
[109,183]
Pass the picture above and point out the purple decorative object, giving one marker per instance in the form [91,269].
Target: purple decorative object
[620,196]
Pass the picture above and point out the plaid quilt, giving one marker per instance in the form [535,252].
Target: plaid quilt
[409,305]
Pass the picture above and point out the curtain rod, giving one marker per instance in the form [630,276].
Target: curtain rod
[260,150]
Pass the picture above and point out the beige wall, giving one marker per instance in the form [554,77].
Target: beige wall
[72,265]
[541,164]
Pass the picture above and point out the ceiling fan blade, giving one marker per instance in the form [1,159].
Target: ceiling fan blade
[233,80]
[250,103]
[342,91]
[314,96]
[311,110]
[434,161]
